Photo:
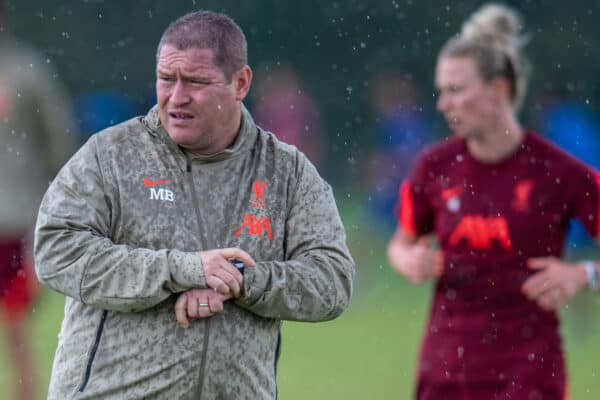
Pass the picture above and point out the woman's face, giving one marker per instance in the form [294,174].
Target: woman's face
[470,105]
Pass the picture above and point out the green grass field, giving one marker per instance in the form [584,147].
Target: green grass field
[369,352]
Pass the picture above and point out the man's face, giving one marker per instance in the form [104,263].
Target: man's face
[197,105]
[469,105]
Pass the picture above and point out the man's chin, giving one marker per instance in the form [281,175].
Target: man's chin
[180,135]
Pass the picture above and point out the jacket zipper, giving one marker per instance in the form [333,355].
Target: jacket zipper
[207,320]
[88,368]
[277,354]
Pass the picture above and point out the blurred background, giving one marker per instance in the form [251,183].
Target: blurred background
[350,83]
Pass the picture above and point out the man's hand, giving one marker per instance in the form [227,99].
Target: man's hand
[198,303]
[414,258]
[220,275]
[555,282]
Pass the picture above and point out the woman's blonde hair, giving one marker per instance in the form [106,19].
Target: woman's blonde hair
[492,36]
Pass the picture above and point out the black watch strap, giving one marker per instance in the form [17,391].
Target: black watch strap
[239,265]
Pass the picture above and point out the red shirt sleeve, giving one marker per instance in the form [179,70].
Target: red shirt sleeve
[414,212]
[584,190]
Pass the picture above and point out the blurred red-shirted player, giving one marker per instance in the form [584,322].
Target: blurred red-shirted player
[498,198]
[35,138]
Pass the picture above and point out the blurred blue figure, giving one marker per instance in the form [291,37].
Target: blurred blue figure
[401,130]
[98,110]
[575,128]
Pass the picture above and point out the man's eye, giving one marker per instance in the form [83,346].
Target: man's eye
[166,78]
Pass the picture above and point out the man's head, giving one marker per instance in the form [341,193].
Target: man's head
[201,79]
[209,30]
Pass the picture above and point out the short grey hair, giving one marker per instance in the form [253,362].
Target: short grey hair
[209,30]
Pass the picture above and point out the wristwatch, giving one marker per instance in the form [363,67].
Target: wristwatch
[592,274]
[239,265]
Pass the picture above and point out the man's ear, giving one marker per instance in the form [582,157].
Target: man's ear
[241,80]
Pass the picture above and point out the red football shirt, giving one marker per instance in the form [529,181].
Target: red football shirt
[489,219]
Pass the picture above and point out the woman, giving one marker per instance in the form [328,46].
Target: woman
[498,198]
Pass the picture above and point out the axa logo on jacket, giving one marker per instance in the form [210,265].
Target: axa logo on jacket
[256,225]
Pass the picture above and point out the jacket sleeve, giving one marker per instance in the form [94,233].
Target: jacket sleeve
[74,253]
[314,283]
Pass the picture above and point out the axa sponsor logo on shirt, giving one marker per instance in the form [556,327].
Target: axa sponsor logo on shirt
[479,232]
[255,222]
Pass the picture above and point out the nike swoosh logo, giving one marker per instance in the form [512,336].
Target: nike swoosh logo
[149,183]
[447,194]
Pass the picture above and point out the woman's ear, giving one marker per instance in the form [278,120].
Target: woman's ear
[503,87]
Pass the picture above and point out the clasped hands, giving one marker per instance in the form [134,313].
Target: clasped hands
[224,282]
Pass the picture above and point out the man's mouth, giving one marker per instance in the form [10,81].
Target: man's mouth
[180,115]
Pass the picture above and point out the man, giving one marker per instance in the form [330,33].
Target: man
[160,207]
[36,138]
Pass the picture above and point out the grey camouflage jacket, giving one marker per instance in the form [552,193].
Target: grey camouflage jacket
[119,231]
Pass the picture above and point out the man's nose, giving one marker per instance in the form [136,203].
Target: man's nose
[179,95]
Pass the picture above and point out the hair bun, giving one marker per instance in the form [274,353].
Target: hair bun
[495,25]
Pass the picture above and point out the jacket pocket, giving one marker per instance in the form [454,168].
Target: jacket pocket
[96,344]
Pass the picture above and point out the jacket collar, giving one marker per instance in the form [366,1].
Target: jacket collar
[243,141]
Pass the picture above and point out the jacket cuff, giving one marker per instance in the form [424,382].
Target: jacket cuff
[186,270]
[255,282]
